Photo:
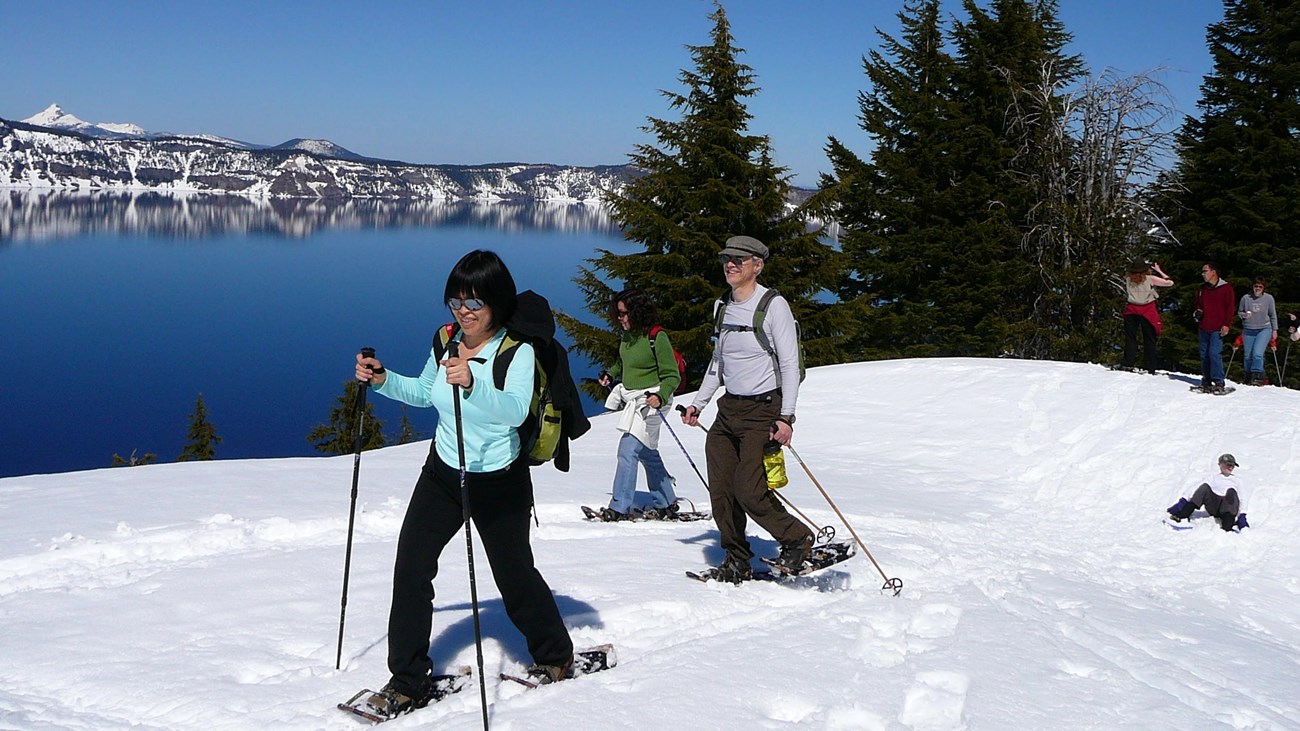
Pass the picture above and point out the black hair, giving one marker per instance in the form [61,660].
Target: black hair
[482,274]
[641,310]
[1261,281]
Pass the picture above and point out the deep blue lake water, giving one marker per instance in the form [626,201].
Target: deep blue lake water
[120,310]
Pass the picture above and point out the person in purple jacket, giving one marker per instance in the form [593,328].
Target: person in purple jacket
[1216,306]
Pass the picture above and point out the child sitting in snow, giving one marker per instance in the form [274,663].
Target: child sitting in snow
[1223,496]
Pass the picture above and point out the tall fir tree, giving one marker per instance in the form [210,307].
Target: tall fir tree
[1237,181]
[705,179]
[935,219]
[987,283]
[338,435]
[893,207]
[202,435]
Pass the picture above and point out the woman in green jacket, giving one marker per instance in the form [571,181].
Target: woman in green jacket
[650,375]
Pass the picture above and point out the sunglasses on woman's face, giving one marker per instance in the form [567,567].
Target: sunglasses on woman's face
[473,304]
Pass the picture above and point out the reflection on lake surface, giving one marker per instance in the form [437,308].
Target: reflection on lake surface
[27,215]
[131,319]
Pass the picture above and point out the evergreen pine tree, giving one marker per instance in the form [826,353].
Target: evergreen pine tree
[338,435]
[706,179]
[202,435]
[1237,181]
[985,286]
[406,431]
[893,207]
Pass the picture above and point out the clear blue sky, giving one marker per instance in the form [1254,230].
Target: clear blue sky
[450,81]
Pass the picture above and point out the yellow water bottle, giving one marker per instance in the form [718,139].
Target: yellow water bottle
[774,465]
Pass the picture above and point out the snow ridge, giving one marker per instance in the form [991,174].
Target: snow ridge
[1018,500]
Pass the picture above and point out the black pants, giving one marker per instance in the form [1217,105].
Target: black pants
[1133,324]
[500,504]
[737,480]
[1216,506]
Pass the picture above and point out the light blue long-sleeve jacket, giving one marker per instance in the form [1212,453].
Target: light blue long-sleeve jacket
[491,416]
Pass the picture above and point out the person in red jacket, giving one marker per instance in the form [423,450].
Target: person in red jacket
[1215,307]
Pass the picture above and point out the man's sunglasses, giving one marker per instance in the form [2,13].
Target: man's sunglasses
[737,260]
[473,304]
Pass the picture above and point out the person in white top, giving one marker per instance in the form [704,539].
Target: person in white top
[757,408]
[1224,496]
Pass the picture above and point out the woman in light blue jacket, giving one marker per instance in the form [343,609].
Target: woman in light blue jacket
[481,296]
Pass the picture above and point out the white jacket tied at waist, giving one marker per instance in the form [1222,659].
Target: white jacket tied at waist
[638,418]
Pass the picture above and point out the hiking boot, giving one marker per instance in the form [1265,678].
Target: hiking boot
[1181,510]
[734,570]
[1227,521]
[390,702]
[1216,388]
[668,512]
[547,674]
[794,554]
[613,516]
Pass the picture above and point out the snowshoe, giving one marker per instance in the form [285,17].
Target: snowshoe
[1213,390]
[605,515]
[386,704]
[585,662]
[733,571]
[820,557]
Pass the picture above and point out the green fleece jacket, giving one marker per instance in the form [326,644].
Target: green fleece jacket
[637,367]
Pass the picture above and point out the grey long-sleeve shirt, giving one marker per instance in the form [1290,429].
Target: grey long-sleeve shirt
[746,367]
[1262,309]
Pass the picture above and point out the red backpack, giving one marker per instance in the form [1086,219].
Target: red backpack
[681,362]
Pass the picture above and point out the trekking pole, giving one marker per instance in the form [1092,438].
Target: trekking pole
[1281,379]
[352,511]
[453,351]
[896,585]
[1276,369]
[1233,357]
[683,446]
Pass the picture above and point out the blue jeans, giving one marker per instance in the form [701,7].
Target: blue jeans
[1211,348]
[1254,343]
[631,451]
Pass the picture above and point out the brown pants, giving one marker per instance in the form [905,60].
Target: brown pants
[737,481]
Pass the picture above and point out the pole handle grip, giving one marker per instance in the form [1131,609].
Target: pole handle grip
[370,353]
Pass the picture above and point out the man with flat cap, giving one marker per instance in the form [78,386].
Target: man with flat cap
[757,358]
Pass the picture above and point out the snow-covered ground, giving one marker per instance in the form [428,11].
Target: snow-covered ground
[1019,502]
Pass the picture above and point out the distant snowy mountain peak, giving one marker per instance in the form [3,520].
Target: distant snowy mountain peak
[124,128]
[54,116]
[324,148]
